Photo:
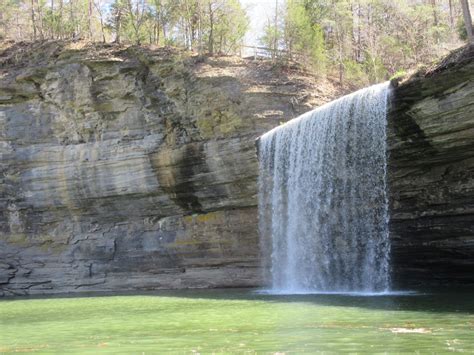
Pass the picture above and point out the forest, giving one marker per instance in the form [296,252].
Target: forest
[356,41]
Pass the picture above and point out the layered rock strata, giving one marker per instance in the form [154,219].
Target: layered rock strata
[431,175]
[132,168]
[135,169]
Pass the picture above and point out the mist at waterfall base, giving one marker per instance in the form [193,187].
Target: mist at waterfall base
[323,207]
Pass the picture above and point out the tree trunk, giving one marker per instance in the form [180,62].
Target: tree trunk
[20,34]
[275,39]
[359,34]
[33,19]
[451,17]
[40,18]
[135,19]
[162,24]
[90,20]
[435,18]
[73,19]
[118,24]
[51,30]
[435,12]
[99,11]
[467,20]
[211,29]
[60,20]
[159,21]
[199,29]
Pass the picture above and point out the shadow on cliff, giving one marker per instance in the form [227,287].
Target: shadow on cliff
[439,301]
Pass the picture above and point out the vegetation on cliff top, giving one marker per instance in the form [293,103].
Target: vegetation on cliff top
[354,41]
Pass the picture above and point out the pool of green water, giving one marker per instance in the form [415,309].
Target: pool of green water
[238,321]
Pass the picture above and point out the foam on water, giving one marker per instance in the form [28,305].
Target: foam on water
[272,292]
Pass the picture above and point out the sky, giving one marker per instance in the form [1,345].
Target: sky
[259,11]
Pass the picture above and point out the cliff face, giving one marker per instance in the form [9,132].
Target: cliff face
[133,168]
[431,175]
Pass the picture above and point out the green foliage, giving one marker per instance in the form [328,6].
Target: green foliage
[202,25]
[229,25]
[362,41]
[271,39]
[303,36]
[358,41]
[461,30]
[399,74]
[355,73]
[375,69]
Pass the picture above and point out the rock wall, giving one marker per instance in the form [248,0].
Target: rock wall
[135,169]
[132,168]
[431,175]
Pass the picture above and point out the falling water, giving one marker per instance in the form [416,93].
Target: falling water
[322,197]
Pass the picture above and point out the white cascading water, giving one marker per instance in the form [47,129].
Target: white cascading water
[323,205]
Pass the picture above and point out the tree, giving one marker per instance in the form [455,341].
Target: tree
[212,8]
[304,37]
[115,22]
[467,20]
[357,41]
[33,19]
[98,5]
[227,26]
[273,35]
[135,17]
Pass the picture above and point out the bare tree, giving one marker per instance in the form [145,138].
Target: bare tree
[60,19]
[33,19]
[451,16]
[211,29]
[98,7]
[275,43]
[137,17]
[467,20]
[89,19]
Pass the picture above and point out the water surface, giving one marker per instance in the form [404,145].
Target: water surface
[238,321]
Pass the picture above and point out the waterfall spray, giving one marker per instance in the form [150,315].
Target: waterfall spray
[323,204]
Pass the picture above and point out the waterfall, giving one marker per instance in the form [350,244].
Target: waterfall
[323,208]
